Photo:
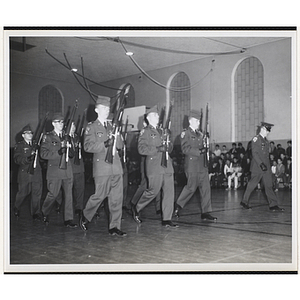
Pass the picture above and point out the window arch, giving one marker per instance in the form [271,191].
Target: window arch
[50,100]
[248,104]
[182,102]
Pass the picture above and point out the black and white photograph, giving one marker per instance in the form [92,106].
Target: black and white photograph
[159,150]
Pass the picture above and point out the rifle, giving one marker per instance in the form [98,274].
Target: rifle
[116,124]
[36,142]
[65,140]
[124,139]
[79,134]
[201,119]
[166,137]
[206,139]
[161,117]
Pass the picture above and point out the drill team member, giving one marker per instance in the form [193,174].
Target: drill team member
[108,177]
[52,150]
[260,169]
[151,145]
[28,183]
[192,146]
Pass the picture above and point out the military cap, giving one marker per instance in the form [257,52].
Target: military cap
[268,126]
[195,114]
[103,100]
[58,117]
[153,109]
[26,128]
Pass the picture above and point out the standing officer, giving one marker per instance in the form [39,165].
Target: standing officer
[260,169]
[108,177]
[151,145]
[28,183]
[52,150]
[197,174]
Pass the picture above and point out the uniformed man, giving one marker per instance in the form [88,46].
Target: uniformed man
[192,145]
[260,169]
[108,177]
[28,183]
[78,174]
[52,149]
[151,144]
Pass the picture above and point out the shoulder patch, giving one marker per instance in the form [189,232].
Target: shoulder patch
[182,134]
[255,139]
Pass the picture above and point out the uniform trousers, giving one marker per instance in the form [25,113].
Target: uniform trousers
[156,183]
[54,186]
[112,188]
[194,181]
[268,185]
[24,189]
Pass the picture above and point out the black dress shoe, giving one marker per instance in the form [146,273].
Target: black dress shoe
[16,212]
[83,222]
[169,224]
[70,224]
[276,208]
[116,231]
[244,205]
[135,215]
[176,211]
[36,217]
[207,216]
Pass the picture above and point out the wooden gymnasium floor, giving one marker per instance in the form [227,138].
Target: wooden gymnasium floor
[239,236]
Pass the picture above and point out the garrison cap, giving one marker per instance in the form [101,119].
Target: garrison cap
[195,114]
[26,128]
[268,126]
[58,117]
[153,109]
[103,100]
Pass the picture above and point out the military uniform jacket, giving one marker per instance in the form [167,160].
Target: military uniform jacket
[191,142]
[94,137]
[22,151]
[49,150]
[260,154]
[150,138]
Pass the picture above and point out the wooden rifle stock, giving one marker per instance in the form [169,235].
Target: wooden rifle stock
[36,142]
[65,143]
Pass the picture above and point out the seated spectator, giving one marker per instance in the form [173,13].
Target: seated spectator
[224,149]
[221,170]
[240,149]
[273,150]
[280,150]
[245,164]
[288,173]
[288,150]
[214,172]
[283,159]
[273,170]
[217,151]
[272,158]
[280,173]
[233,150]
[237,171]
[228,171]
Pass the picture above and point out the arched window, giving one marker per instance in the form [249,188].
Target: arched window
[248,98]
[50,100]
[182,102]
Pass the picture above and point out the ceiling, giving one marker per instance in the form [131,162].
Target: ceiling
[104,57]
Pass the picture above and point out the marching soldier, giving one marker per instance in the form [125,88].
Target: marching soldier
[196,172]
[28,183]
[108,177]
[260,169]
[52,150]
[151,145]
